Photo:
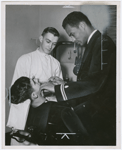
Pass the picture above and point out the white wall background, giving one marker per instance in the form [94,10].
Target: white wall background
[22,23]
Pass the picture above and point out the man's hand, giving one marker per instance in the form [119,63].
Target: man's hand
[56,80]
[48,86]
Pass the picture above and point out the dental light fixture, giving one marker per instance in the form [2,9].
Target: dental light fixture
[68,6]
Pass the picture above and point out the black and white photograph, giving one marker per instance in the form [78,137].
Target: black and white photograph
[61,79]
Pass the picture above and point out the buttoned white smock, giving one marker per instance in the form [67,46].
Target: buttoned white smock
[37,64]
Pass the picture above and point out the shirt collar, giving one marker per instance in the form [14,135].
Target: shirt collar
[43,54]
[91,36]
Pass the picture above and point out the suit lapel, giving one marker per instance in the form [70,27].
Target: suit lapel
[89,47]
[85,53]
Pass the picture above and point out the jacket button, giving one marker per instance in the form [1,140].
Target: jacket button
[66,86]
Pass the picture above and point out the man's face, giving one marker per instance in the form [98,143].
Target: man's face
[37,95]
[48,42]
[77,34]
[36,86]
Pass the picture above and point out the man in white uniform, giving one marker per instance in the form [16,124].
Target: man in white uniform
[40,63]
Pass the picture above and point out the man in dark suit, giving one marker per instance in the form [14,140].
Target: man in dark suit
[94,93]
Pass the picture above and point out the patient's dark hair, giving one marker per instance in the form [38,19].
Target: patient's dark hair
[74,18]
[21,90]
[51,30]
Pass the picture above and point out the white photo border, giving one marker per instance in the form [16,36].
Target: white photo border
[3,36]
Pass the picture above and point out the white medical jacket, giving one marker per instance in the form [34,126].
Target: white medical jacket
[37,64]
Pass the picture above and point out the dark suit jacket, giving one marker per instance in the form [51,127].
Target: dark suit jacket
[94,77]
[94,93]
[49,112]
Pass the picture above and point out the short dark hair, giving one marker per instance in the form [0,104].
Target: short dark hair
[21,90]
[51,30]
[74,18]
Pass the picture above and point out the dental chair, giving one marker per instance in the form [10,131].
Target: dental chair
[47,132]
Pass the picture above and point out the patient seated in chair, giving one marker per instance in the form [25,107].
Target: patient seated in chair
[46,119]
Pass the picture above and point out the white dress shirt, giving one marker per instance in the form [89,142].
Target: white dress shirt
[91,36]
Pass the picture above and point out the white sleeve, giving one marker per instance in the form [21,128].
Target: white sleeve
[59,71]
[21,69]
